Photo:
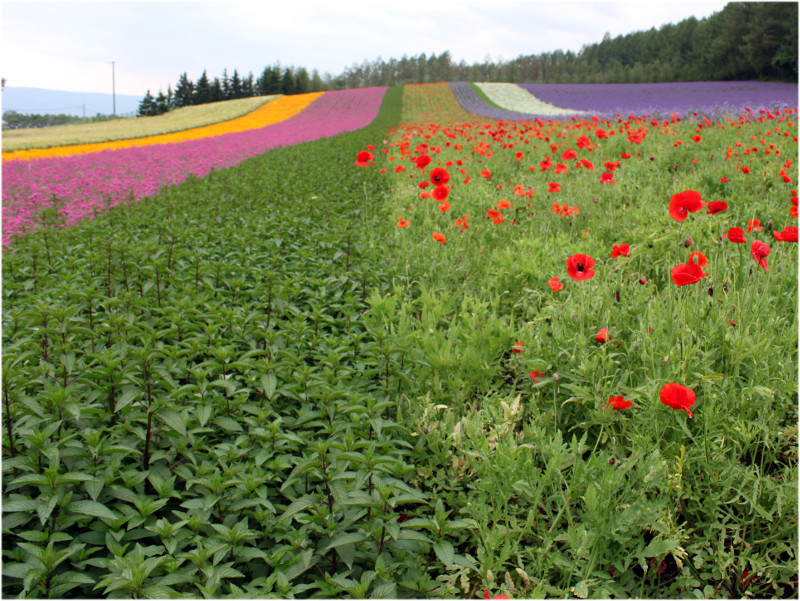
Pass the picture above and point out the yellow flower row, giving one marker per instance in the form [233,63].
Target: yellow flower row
[275,111]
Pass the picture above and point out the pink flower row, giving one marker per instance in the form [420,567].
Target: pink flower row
[82,185]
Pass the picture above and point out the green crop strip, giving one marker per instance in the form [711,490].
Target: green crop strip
[196,403]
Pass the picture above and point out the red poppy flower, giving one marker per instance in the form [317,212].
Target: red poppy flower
[554,187]
[588,164]
[601,133]
[440,192]
[687,273]
[618,402]
[555,284]
[683,203]
[364,158]
[399,169]
[536,375]
[607,178]
[745,170]
[760,252]
[701,261]
[423,185]
[495,216]
[561,168]
[789,234]
[518,347]
[518,156]
[716,206]
[422,161]
[602,336]
[696,139]
[621,250]
[486,595]
[736,235]
[439,237]
[486,173]
[439,176]
[724,179]
[462,223]
[579,267]
[401,223]
[678,397]
[583,142]
[569,154]
[754,224]
[444,206]
[504,204]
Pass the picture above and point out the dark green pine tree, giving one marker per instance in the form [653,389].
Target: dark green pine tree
[248,89]
[161,104]
[226,85]
[147,105]
[236,85]
[216,91]
[202,90]
[184,92]
[288,84]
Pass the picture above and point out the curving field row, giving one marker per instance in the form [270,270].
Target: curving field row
[186,117]
[275,111]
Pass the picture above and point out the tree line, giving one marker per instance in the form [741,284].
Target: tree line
[743,41]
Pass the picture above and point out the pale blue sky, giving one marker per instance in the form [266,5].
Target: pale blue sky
[66,45]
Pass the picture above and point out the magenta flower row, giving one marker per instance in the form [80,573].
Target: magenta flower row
[82,185]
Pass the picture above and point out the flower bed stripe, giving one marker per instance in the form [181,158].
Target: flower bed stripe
[653,98]
[278,110]
[78,186]
[180,119]
[471,102]
[512,97]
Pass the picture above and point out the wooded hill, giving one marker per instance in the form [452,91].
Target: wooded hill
[744,41]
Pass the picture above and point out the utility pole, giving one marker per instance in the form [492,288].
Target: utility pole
[113,89]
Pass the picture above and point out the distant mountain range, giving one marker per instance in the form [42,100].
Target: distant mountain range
[58,102]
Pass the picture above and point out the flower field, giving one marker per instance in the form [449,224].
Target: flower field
[186,117]
[408,344]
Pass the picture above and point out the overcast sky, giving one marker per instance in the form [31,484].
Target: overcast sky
[65,45]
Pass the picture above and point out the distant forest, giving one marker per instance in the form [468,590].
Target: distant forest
[744,41]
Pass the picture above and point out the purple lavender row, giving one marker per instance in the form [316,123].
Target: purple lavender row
[83,185]
[706,97]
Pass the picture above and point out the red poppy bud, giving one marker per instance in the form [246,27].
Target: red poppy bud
[760,251]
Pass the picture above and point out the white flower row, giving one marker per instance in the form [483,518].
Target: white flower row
[513,98]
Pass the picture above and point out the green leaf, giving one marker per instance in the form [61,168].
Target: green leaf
[346,539]
[21,505]
[659,547]
[126,398]
[581,589]
[300,504]
[203,413]
[228,424]
[270,384]
[92,508]
[445,552]
[173,419]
